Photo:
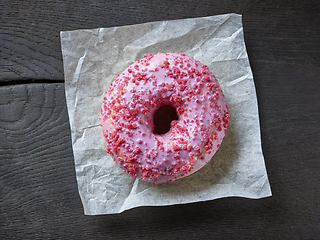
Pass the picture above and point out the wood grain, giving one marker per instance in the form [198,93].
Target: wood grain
[38,190]
[30,44]
[39,199]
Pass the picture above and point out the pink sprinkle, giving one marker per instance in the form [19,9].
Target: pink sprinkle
[196,148]
[173,123]
[176,147]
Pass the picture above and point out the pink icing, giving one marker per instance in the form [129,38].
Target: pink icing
[132,100]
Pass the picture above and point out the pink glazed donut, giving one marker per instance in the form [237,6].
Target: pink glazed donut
[127,117]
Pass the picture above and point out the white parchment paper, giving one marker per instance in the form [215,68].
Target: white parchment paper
[92,59]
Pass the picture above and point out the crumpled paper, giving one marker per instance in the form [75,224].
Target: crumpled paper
[92,58]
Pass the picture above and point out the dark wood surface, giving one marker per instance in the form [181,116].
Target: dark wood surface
[38,190]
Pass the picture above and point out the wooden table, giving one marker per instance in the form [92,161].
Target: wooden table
[38,189]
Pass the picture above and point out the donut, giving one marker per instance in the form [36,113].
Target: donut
[165,82]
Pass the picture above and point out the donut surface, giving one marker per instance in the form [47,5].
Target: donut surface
[132,101]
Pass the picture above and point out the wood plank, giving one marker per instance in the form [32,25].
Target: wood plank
[38,191]
[30,43]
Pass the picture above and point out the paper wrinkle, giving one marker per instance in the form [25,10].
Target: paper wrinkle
[153,36]
[216,28]
[238,80]
[93,57]
[130,196]
[76,74]
[80,135]
[74,80]
[166,28]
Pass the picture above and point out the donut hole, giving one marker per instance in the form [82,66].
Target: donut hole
[162,119]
